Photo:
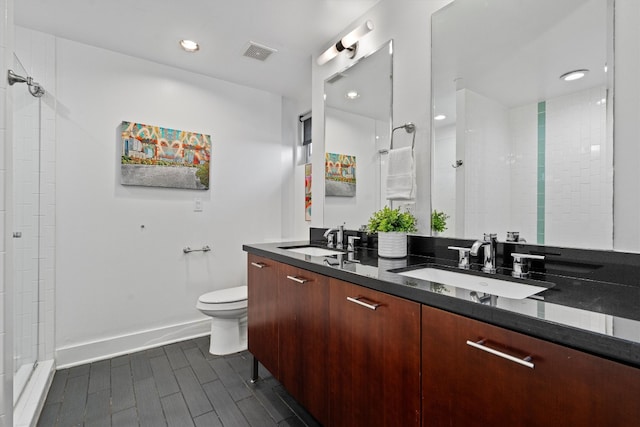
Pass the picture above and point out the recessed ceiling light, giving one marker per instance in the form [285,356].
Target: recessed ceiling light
[440,117]
[189,45]
[352,94]
[574,75]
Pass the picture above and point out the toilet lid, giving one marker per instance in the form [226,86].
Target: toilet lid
[221,296]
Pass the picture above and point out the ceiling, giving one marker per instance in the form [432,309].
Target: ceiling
[151,29]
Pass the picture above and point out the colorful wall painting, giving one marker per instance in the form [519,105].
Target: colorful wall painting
[340,175]
[153,156]
[307,192]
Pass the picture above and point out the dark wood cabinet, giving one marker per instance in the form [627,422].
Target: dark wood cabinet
[262,311]
[303,299]
[374,353]
[474,375]
[354,356]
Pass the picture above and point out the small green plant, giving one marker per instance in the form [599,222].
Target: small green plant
[439,221]
[388,219]
[203,174]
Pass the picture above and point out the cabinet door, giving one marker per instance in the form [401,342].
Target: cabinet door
[468,385]
[303,309]
[262,323]
[374,353]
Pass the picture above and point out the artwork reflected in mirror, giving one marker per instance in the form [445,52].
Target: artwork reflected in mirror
[520,145]
[340,175]
[357,126]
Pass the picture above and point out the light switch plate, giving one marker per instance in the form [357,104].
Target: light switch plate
[197,205]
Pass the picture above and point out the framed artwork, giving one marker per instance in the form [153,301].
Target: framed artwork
[307,192]
[340,175]
[154,156]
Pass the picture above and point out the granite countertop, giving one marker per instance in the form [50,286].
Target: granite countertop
[598,317]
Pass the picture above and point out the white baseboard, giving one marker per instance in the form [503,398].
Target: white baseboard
[92,351]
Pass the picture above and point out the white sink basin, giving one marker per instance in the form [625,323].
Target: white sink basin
[313,251]
[489,285]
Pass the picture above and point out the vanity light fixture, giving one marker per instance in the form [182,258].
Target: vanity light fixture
[348,43]
[574,75]
[189,45]
[440,117]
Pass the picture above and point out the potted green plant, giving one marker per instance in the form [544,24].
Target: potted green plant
[438,222]
[392,227]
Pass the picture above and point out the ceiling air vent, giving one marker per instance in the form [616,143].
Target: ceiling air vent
[258,51]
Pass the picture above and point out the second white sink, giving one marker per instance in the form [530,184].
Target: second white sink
[489,285]
[313,251]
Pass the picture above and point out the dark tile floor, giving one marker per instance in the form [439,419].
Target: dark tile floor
[179,384]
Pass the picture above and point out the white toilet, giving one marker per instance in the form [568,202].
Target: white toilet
[228,311]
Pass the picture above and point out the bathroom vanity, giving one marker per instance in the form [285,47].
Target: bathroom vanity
[356,343]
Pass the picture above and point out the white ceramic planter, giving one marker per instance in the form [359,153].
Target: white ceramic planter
[392,244]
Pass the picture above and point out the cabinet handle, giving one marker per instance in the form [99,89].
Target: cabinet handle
[479,345]
[258,264]
[364,304]
[297,279]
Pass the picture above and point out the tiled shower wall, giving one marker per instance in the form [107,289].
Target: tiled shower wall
[579,171]
[37,53]
[6,404]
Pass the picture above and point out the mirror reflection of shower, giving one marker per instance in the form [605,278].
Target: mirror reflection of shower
[34,87]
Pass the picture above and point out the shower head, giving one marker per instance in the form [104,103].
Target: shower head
[36,90]
[34,87]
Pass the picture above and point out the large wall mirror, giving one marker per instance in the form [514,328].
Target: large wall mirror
[357,109]
[520,148]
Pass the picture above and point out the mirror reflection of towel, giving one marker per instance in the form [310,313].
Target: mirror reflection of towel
[401,177]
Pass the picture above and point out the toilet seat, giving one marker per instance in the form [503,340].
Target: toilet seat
[225,296]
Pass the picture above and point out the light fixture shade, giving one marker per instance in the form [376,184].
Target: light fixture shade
[355,35]
[328,55]
[345,43]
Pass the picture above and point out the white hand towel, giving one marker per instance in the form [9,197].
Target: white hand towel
[401,175]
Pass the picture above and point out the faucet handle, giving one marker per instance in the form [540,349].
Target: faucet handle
[351,245]
[521,264]
[330,237]
[463,256]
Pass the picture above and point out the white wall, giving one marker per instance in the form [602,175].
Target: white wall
[120,266]
[408,23]
[443,196]
[353,135]
[627,127]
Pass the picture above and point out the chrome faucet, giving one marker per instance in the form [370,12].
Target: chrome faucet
[489,245]
[339,235]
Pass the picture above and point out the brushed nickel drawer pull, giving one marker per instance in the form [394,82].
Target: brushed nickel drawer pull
[479,345]
[364,304]
[258,264]
[297,279]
